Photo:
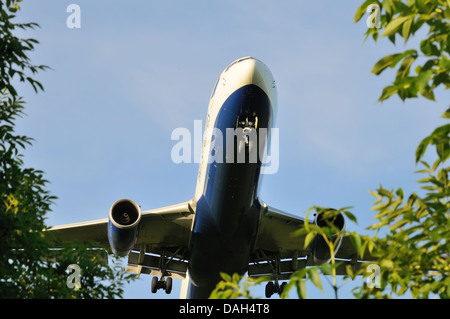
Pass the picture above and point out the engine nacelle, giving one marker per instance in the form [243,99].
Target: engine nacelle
[123,226]
[319,248]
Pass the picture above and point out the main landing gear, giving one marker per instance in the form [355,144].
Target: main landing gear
[274,288]
[162,283]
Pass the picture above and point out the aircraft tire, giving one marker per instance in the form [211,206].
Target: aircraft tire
[282,286]
[154,284]
[168,285]
[270,289]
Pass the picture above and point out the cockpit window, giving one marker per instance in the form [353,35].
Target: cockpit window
[237,61]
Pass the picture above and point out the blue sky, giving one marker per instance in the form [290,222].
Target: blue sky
[135,71]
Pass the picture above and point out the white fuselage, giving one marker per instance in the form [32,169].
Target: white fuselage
[227,214]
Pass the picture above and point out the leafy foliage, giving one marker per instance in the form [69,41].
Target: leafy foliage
[235,286]
[413,246]
[332,236]
[432,58]
[413,254]
[29,267]
[16,61]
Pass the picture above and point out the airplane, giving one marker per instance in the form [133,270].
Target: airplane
[225,227]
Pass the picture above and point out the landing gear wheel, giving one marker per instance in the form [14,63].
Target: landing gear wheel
[274,288]
[168,285]
[162,283]
[280,291]
[270,289]
[154,284]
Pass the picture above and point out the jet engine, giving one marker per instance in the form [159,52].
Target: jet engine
[123,226]
[319,248]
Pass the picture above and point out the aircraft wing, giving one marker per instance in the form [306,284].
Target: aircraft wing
[278,252]
[95,230]
[164,233]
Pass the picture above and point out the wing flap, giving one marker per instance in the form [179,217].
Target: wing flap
[168,226]
[275,232]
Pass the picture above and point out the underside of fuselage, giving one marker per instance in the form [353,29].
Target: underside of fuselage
[227,213]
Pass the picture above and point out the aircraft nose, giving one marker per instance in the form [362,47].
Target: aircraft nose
[249,70]
[259,74]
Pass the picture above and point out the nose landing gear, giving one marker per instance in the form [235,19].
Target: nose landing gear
[247,123]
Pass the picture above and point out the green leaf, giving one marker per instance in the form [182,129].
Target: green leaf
[444,63]
[421,6]
[225,276]
[387,92]
[398,224]
[287,288]
[403,70]
[385,192]
[406,28]
[356,240]
[301,289]
[392,60]
[398,58]
[315,278]
[375,194]
[395,23]
[361,10]
[370,246]
[327,268]
[309,237]
[349,271]
[388,5]
[384,63]
[350,216]
[441,138]
[387,263]
[428,48]
[446,114]
[428,93]
[422,80]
